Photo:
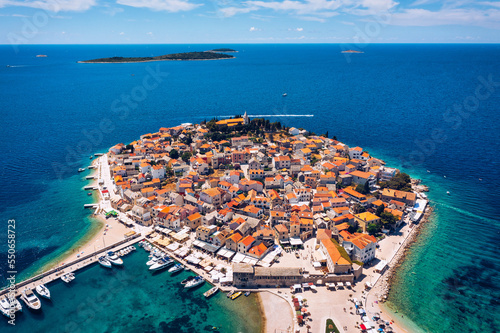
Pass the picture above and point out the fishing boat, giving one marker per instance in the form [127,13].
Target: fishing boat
[229,294]
[103,261]
[236,295]
[211,292]
[43,291]
[248,293]
[113,258]
[186,280]
[91,157]
[285,94]
[448,192]
[68,277]
[30,299]
[197,281]
[176,268]
[161,264]
[81,170]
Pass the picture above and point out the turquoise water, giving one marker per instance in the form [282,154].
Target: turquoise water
[132,299]
[390,100]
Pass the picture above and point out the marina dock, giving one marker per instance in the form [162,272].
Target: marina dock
[73,266]
[90,205]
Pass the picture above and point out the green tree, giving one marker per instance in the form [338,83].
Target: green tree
[174,154]
[373,228]
[358,209]
[186,156]
[387,218]
[380,210]
[366,188]
[168,171]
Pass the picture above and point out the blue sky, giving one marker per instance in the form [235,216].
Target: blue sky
[251,21]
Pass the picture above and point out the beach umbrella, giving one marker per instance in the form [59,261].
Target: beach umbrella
[303,310]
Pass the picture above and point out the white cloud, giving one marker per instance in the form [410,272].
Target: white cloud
[472,17]
[149,33]
[313,10]
[254,29]
[167,5]
[299,29]
[52,5]
[231,11]
[122,33]
[490,3]
[112,11]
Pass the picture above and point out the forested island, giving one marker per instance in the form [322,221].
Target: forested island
[205,55]
[223,49]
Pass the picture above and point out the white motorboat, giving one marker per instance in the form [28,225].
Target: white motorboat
[16,305]
[113,258]
[176,268]
[194,282]
[68,277]
[30,299]
[5,307]
[103,261]
[211,292]
[161,264]
[43,291]
[154,258]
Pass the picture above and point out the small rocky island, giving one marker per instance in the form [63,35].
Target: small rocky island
[205,55]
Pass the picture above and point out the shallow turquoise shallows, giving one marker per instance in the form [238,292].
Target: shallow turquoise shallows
[431,110]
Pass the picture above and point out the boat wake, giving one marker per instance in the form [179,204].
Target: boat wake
[272,115]
[281,115]
[466,213]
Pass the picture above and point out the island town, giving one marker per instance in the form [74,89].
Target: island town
[252,206]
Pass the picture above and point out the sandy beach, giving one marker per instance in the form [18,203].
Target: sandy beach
[108,231]
[277,312]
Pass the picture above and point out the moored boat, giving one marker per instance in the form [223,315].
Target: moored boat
[248,293]
[211,292]
[113,258]
[5,307]
[176,268]
[197,281]
[236,295]
[161,264]
[43,291]
[230,293]
[103,261]
[30,299]
[68,277]
[81,169]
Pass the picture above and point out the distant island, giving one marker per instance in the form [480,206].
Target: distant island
[205,55]
[352,51]
[223,50]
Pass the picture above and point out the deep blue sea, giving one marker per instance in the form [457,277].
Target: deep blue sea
[431,110]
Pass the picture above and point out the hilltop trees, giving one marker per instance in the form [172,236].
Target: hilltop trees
[401,181]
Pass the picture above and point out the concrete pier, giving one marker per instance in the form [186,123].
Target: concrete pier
[73,266]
